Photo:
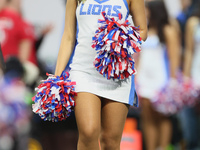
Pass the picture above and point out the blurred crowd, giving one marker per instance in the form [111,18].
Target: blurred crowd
[171,53]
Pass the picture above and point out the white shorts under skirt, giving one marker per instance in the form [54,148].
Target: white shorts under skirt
[120,91]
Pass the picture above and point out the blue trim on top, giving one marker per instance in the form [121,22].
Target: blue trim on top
[126,4]
[133,98]
[77,29]
[166,61]
[101,1]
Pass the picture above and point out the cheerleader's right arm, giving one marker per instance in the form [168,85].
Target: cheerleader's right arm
[137,11]
[189,45]
[68,38]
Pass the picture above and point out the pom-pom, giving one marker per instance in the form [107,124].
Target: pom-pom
[169,100]
[190,92]
[176,94]
[115,42]
[54,100]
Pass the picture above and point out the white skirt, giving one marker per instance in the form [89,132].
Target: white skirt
[120,91]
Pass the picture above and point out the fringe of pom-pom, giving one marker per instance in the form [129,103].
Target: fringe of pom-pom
[175,95]
[115,43]
[190,92]
[54,100]
[169,100]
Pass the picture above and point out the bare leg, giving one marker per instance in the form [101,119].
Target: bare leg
[88,118]
[165,132]
[149,125]
[113,119]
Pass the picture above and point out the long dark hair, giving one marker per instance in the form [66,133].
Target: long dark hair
[158,17]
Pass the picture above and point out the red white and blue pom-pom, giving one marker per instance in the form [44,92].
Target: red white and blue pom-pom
[115,42]
[190,92]
[54,100]
[177,94]
[169,99]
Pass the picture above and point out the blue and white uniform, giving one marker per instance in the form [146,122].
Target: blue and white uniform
[83,72]
[153,69]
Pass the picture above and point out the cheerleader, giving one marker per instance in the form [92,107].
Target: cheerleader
[191,70]
[158,62]
[192,47]
[101,104]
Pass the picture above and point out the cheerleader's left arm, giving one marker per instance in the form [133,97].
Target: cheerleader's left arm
[189,45]
[172,40]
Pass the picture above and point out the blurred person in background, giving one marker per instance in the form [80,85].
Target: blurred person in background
[14,113]
[189,116]
[17,38]
[14,38]
[158,62]
[16,41]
